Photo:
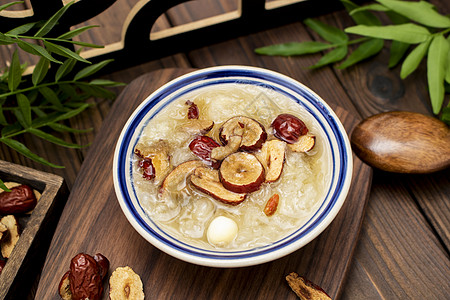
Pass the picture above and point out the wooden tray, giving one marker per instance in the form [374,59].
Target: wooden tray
[93,222]
[26,259]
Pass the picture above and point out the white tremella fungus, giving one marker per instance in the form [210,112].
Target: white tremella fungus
[222,231]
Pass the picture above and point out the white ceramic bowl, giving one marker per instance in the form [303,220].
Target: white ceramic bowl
[336,140]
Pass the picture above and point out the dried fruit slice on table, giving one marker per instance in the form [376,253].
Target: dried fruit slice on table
[305,289]
[3,231]
[64,287]
[241,172]
[124,284]
[12,236]
[253,137]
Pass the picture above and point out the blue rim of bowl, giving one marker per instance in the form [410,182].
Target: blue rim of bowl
[339,185]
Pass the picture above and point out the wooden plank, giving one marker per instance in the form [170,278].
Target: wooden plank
[93,222]
[432,194]
[397,251]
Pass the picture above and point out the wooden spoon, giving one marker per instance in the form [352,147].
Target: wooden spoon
[403,142]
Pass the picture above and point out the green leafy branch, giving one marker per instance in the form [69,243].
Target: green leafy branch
[415,25]
[41,105]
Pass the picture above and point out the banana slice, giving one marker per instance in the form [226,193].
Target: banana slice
[125,284]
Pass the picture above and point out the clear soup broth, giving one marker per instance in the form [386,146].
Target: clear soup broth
[187,214]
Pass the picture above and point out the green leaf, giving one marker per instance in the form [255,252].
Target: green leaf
[375,7]
[106,82]
[38,112]
[407,33]
[22,149]
[3,186]
[65,68]
[48,26]
[445,117]
[414,58]
[52,139]
[421,12]
[361,17]
[20,117]
[21,29]
[397,51]
[24,106]
[88,71]
[334,55]
[11,129]
[3,121]
[51,96]
[6,40]
[63,51]
[5,6]
[63,128]
[328,33]
[33,95]
[72,113]
[97,91]
[436,64]
[83,44]
[364,51]
[45,119]
[40,70]
[397,18]
[294,48]
[68,90]
[15,73]
[447,73]
[36,50]
[75,32]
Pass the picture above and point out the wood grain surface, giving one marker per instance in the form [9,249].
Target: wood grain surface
[403,248]
[93,222]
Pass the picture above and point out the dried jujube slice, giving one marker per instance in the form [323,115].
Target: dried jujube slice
[125,284]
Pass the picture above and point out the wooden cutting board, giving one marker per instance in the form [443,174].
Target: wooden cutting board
[93,222]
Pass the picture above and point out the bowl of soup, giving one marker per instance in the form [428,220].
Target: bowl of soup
[232,166]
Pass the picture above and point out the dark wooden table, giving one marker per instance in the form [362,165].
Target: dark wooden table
[403,246]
